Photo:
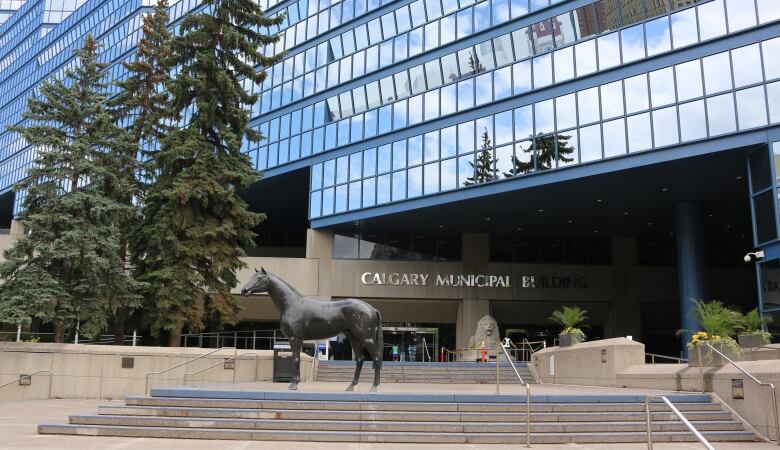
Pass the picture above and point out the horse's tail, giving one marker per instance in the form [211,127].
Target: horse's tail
[379,338]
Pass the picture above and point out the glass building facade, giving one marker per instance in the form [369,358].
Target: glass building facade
[396,109]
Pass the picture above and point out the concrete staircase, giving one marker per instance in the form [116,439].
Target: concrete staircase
[419,372]
[400,417]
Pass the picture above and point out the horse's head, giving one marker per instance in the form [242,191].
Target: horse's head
[258,283]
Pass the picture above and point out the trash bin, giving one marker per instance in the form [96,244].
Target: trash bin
[283,363]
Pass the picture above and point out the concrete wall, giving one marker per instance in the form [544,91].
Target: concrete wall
[594,363]
[95,371]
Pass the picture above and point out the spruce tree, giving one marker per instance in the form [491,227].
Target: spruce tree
[143,106]
[195,226]
[483,170]
[68,266]
[545,150]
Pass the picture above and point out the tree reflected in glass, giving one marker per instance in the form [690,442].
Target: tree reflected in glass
[483,169]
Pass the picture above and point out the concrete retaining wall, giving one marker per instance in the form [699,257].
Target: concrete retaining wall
[95,371]
[593,363]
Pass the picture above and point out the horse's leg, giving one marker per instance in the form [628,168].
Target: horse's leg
[295,346]
[376,356]
[357,347]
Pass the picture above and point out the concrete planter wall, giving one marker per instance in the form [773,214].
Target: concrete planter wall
[749,341]
[711,358]
[568,339]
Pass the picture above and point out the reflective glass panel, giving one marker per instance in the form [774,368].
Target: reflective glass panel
[399,155]
[484,85]
[684,29]
[399,185]
[383,189]
[542,71]
[449,178]
[414,182]
[431,105]
[639,135]
[354,195]
[658,40]
[521,77]
[768,10]
[465,94]
[712,18]
[633,43]
[609,51]
[689,80]
[523,161]
[717,73]
[636,93]
[590,143]
[431,176]
[665,126]
[369,192]
[773,95]
[746,61]
[771,63]
[751,107]
[741,14]
[544,117]
[369,162]
[449,98]
[448,141]
[466,170]
[720,114]
[693,124]
[614,138]
[564,64]
[465,137]
[503,161]
[522,44]
[612,100]
[566,111]
[502,83]
[585,53]
[662,87]
[588,105]
[523,122]
[503,124]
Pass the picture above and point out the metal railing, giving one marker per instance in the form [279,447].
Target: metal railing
[679,415]
[146,386]
[51,375]
[235,367]
[430,361]
[749,375]
[527,392]
[247,340]
[653,356]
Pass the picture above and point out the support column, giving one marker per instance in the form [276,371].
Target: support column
[475,303]
[626,315]
[692,264]
[319,246]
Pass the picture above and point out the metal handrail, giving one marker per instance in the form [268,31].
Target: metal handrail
[679,416]
[430,362]
[146,386]
[527,393]
[235,358]
[653,356]
[51,375]
[760,383]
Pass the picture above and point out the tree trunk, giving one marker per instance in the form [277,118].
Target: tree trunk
[119,327]
[174,339]
[59,334]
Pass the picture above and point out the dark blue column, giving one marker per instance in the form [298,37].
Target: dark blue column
[692,264]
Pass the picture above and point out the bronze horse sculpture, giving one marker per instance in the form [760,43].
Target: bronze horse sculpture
[303,318]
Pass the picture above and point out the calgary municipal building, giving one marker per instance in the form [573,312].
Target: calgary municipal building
[445,160]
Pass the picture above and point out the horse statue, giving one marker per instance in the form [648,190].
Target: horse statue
[303,318]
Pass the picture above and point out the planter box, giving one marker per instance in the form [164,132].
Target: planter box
[749,341]
[711,359]
[568,339]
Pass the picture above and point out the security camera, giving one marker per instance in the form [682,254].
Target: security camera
[754,256]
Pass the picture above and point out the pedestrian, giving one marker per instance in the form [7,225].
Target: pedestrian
[411,349]
[396,355]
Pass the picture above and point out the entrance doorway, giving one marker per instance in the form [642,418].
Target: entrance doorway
[410,343]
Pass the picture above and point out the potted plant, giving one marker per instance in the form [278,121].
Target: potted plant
[571,318]
[753,334]
[718,324]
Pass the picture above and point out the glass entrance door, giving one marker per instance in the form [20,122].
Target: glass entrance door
[410,344]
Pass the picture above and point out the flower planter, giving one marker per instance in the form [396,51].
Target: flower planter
[711,358]
[750,340]
[568,339]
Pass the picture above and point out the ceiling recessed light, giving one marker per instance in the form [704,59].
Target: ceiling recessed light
[739,177]
[540,210]
[709,215]
[728,226]
[441,226]
[571,220]
[671,233]
[519,228]
[664,189]
[599,200]
[487,219]
[625,213]
[649,224]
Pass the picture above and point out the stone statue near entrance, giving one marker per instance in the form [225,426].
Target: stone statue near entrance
[303,318]
[487,332]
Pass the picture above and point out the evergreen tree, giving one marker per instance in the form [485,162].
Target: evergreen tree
[144,107]
[545,155]
[195,226]
[69,264]
[475,64]
[483,170]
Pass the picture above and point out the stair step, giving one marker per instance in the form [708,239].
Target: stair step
[410,406]
[380,436]
[446,416]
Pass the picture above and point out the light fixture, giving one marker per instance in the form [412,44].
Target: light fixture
[595,231]
[487,219]
[739,177]
[671,233]
[540,210]
[519,228]
[599,200]
[664,189]
[625,213]
[571,220]
[441,226]
[649,224]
